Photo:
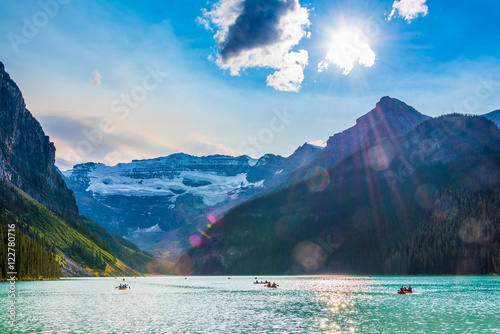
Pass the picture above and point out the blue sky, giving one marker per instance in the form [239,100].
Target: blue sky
[113,81]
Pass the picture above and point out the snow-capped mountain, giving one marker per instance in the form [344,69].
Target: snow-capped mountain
[214,179]
[156,202]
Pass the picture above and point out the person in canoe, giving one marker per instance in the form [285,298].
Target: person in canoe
[274,285]
[409,288]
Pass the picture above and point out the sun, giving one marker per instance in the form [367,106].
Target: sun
[347,46]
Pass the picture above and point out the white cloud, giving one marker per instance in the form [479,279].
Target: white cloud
[349,46]
[96,78]
[250,35]
[289,77]
[319,142]
[409,9]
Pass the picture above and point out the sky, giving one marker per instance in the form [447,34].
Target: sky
[113,81]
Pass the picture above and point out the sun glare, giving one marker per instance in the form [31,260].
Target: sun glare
[348,45]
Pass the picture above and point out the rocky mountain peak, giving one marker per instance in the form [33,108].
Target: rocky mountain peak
[304,153]
[26,154]
[390,117]
[393,111]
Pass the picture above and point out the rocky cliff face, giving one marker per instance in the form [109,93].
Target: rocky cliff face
[26,154]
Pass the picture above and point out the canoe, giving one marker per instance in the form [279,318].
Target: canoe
[259,283]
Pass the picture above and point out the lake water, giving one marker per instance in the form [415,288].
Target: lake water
[314,304]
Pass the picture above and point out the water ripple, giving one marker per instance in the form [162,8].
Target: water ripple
[326,304]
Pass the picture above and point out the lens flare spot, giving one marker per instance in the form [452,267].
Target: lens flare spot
[380,156]
[317,179]
[446,208]
[195,240]
[309,255]
[209,225]
[426,195]
[211,218]
[473,230]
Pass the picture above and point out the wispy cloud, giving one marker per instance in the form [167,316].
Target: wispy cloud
[198,144]
[409,9]
[80,140]
[95,80]
[261,33]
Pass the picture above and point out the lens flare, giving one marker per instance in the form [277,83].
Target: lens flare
[309,255]
[381,156]
[211,218]
[426,195]
[317,179]
[446,208]
[203,232]
[474,230]
[195,240]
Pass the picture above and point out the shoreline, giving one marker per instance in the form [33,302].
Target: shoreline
[29,279]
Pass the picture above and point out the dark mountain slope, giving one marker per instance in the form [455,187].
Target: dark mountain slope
[423,203]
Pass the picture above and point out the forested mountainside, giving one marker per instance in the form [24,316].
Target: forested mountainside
[40,212]
[423,203]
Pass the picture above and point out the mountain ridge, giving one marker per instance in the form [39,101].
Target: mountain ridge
[154,201]
[355,217]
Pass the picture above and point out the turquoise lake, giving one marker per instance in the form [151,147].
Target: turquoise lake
[312,304]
